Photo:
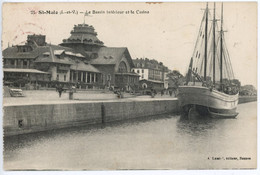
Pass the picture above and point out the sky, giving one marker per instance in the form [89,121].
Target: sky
[166,32]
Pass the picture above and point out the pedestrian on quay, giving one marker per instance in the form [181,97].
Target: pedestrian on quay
[153,92]
[56,87]
[60,89]
[170,92]
[73,87]
[162,92]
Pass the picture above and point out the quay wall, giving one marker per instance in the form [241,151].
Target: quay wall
[246,99]
[34,118]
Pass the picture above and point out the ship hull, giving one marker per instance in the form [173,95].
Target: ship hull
[208,102]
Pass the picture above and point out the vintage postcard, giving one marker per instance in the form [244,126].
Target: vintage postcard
[129,86]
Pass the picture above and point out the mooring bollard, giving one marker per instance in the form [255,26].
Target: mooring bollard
[103,113]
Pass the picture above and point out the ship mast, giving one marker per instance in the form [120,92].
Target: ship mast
[214,47]
[206,39]
[189,72]
[221,47]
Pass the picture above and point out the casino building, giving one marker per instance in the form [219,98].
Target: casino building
[81,59]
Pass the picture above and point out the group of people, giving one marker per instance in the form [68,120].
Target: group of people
[231,90]
[60,89]
[170,91]
[227,88]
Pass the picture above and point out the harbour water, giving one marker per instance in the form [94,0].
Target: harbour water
[158,142]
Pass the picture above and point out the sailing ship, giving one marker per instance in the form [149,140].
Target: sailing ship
[210,86]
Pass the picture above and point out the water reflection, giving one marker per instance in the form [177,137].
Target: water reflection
[195,126]
[17,142]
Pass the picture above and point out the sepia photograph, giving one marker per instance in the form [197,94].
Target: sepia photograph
[129,86]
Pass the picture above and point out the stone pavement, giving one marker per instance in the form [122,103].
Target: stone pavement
[52,97]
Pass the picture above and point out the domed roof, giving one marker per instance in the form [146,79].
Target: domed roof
[83,33]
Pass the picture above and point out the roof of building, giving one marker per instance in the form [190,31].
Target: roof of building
[53,60]
[128,73]
[74,54]
[24,70]
[12,52]
[83,33]
[149,64]
[58,52]
[81,66]
[84,37]
[51,57]
[111,55]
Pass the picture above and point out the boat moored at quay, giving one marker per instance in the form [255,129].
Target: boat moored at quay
[210,86]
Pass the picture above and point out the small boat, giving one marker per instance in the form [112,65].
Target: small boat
[210,86]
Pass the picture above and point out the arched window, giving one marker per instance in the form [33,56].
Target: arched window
[122,67]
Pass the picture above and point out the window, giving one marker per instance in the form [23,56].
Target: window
[25,62]
[12,62]
[138,71]
[96,80]
[57,77]
[88,78]
[64,77]
[109,77]
[84,77]
[142,71]
[79,76]
[122,67]
[93,78]
[102,78]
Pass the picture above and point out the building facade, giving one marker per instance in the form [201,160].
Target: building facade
[82,59]
[152,73]
[114,63]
